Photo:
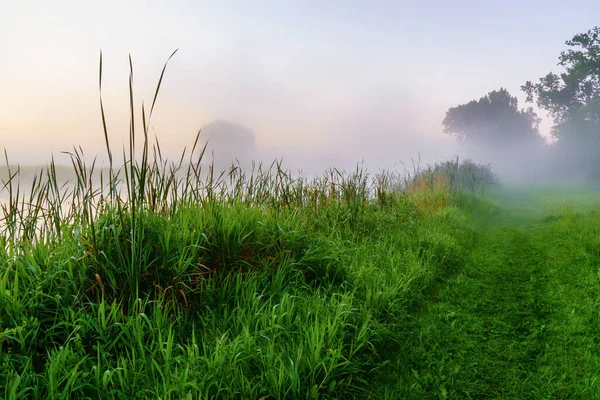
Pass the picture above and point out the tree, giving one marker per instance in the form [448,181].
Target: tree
[572,98]
[229,143]
[493,120]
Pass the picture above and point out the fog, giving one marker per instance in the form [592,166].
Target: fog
[315,85]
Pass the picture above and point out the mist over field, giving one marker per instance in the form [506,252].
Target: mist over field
[299,200]
[330,86]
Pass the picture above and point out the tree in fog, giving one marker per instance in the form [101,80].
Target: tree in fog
[228,144]
[495,131]
[572,99]
[493,120]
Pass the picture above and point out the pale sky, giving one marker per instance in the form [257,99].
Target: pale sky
[319,81]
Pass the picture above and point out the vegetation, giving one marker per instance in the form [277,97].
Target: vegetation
[167,281]
[162,279]
[229,143]
[571,98]
[573,95]
[493,120]
[235,287]
[519,319]
[494,127]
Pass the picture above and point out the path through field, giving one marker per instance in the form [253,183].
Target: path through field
[520,321]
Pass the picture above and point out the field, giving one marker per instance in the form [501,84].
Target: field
[230,286]
[162,279]
[519,320]
[267,286]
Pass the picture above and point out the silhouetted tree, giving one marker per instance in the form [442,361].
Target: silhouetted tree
[229,144]
[573,97]
[493,120]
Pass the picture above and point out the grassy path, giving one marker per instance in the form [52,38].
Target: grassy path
[520,321]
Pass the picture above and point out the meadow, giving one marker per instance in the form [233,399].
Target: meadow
[164,279]
[234,286]
[519,320]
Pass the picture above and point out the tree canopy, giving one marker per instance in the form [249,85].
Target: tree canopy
[573,97]
[229,143]
[494,119]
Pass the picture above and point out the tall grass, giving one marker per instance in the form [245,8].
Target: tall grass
[168,280]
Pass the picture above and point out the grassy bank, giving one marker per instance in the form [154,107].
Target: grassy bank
[232,287]
[153,278]
[268,286]
[162,279]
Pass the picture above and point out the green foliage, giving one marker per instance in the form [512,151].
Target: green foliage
[463,179]
[519,318]
[574,94]
[167,281]
[572,98]
[229,300]
[493,120]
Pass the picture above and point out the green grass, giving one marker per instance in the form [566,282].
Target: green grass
[225,299]
[165,280]
[520,320]
[154,278]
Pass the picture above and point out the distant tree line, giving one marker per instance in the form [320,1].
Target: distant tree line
[571,98]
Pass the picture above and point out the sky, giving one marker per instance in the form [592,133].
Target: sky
[320,83]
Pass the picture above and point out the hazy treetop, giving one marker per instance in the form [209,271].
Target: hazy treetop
[299,75]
